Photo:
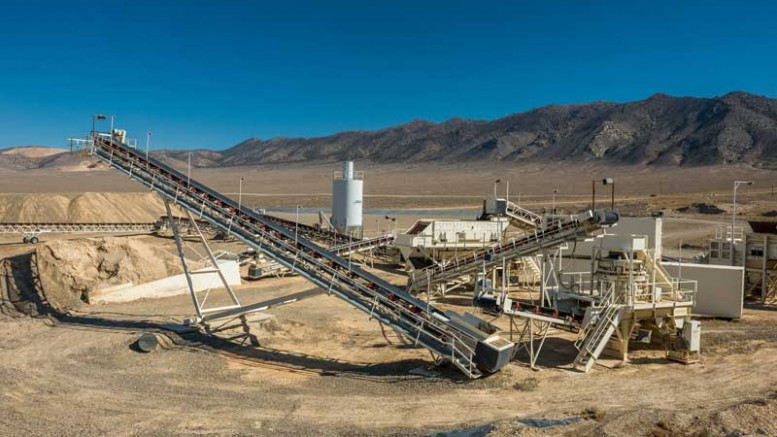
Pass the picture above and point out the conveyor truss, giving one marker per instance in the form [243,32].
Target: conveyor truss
[465,341]
[554,233]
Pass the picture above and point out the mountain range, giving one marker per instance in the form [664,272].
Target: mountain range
[737,128]
[661,130]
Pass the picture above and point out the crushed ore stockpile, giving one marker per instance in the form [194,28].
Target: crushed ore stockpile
[80,208]
[69,270]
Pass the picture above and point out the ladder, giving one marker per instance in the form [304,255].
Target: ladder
[594,337]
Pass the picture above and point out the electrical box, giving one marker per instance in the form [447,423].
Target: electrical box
[692,335]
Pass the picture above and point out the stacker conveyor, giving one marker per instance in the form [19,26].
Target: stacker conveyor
[462,340]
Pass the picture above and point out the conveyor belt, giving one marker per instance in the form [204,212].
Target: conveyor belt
[555,233]
[31,231]
[274,267]
[363,245]
[325,236]
[447,334]
[522,217]
[20,228]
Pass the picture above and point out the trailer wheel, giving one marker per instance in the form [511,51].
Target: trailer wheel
[26,239]
[34,240]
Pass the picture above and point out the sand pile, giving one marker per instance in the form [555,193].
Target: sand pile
[81,208]
[33,151]
[70,270]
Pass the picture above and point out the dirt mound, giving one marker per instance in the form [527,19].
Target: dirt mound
[751,417]
[80,208]
[69,270]
[33,151]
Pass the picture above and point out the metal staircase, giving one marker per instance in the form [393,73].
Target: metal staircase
[557,232]
[531,264]
[593,338]
[446,334]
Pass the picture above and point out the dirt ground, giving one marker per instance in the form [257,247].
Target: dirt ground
[323,368]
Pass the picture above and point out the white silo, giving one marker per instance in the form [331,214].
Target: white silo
[347,194]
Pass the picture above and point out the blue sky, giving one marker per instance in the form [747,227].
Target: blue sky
[210,74]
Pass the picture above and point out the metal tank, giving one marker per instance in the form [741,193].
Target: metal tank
[347,195]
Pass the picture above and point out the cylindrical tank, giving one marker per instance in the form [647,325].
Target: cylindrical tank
[347,196]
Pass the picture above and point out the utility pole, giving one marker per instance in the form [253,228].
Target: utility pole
[189,172]
[296,226]
[734,215]
[240,196]
[553,204]
[148,143]
[95,118]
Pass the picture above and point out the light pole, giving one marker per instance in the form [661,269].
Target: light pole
[593,195]
[553,204]
[611,182]
[148,142]
[496,182]
[240,196]
[389,221]
[605,181]
[95,118]
[734,214]
[296,226]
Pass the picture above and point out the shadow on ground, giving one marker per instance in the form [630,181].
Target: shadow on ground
[22,294]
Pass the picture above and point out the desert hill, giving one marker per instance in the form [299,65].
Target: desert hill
[737,128]
[661,130]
